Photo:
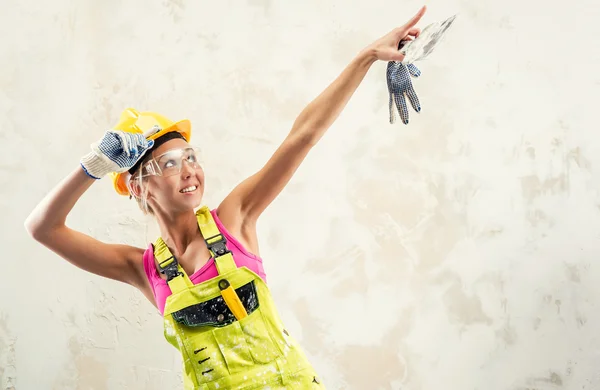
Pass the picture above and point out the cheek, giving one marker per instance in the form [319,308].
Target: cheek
[169,185]
[160,188]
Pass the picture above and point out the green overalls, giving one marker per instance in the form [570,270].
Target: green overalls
[227,328]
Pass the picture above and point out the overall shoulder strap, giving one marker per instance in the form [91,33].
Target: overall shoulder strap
[217,245]
[177,279]
[215,241]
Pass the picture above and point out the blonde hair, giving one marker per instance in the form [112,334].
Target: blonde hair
[138,189]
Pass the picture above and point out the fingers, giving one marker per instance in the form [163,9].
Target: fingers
[415,19]
[415,31]
[408,28]
[414,71]
[124,142]
[392,110]
[414,100]
[134,144]
[401,106]
[145,150]
[397,55]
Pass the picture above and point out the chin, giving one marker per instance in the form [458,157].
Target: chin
[190,200]
[197,203]
[193,201]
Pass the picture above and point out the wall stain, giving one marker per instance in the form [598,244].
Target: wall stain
[427,226]
[550,300]
[355,282]
[368,359]
[507,334]
[552,381]
[537,217]
[572,272]
[264,4]
[82,371]
[176,9]
[532,187]
[8,358]
[581,320]
[462,308]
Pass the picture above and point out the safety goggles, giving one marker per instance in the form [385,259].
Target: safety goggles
[170,163]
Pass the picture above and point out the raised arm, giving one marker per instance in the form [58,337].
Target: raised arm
[251,197]
[47,222]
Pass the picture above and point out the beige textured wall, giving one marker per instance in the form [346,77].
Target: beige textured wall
[459,252]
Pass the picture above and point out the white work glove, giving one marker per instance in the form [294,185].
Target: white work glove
[117,151]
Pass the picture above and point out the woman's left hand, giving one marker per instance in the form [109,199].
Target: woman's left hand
[386,47]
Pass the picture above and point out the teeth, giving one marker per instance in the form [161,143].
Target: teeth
[188,189]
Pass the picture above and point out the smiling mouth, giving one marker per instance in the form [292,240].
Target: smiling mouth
[188,189]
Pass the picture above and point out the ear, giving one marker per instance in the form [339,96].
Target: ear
[135,187]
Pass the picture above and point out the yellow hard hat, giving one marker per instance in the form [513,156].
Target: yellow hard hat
[152,125]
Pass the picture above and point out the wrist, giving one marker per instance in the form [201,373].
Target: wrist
[87,173]
[95,166]
[368,56]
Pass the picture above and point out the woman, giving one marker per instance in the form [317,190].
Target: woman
[204,273]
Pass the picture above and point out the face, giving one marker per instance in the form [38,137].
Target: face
[174,190]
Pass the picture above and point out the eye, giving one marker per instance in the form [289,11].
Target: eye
[169,164]
[191,158]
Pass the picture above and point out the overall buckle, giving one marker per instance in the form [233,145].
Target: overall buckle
[219,247]
[171,270]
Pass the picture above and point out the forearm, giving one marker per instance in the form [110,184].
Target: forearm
[320,114]
[52,211]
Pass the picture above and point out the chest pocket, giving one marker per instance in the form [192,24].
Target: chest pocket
[215,312]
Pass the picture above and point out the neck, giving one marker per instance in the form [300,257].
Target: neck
[178,231]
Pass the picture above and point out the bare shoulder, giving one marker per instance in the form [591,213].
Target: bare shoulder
[244,230]
[135,257]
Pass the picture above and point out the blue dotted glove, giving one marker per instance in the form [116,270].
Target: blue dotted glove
[117,152]
[399,84]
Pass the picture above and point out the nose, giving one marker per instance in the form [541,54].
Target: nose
[186,170]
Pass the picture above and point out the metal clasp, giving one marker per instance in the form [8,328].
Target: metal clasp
[219,247]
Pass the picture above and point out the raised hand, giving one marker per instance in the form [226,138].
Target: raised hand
[399,83]
[117,151]
[386,47]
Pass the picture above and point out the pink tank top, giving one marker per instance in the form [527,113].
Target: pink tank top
[241,256]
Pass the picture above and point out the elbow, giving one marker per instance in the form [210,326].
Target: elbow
[308,134]
[310,139]
[35,228]
[32,228]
